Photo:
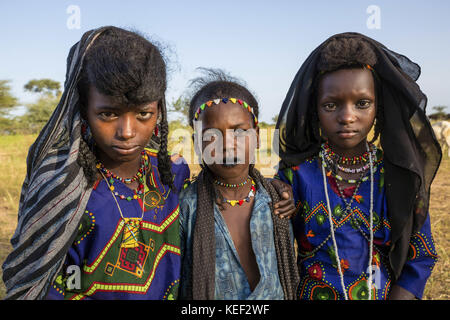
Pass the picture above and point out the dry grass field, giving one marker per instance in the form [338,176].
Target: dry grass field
[13,152]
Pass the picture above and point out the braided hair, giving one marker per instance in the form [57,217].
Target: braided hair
[127,67]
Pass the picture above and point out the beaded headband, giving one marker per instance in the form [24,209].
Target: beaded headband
[225,100]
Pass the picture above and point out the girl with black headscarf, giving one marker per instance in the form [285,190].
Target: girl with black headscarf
[363,211]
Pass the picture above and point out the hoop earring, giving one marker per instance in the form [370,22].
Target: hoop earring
[86,134]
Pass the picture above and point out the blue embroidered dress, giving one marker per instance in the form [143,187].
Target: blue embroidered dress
[230,279]
[319,276]
[148,270]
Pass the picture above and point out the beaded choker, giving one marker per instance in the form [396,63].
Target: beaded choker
[348,160]
[225,100]
[231,185]
[331,163]
[139,176]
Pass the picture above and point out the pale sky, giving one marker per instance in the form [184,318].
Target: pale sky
[261,42]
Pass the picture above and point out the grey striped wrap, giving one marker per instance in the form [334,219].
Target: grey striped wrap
[54,193]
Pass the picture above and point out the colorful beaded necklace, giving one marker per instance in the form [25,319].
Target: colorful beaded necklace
[331,172]
[329,153]
[332,231]
[331,162]
[139,176]
[231,185]
[246,199]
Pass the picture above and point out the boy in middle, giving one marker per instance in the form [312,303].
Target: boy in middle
[234,246]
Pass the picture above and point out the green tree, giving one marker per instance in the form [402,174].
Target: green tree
[440,112]
[40,111]
[45,86]
[181,107]
[7,100]
[275,119]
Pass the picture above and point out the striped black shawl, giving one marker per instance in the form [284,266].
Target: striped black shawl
[54,193]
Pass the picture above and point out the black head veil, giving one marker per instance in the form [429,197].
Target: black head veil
[411,152]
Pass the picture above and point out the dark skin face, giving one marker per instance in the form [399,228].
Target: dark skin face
[227,117]
[233,116]
[120,132]
[346,108]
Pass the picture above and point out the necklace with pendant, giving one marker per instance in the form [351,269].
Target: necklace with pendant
[240,202]
[131,225]
[332,231]
[139,177]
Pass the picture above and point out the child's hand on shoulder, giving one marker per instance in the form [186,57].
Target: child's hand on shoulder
[285,208]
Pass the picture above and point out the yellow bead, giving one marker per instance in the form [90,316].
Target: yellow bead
[111,188]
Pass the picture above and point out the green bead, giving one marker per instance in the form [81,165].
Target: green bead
[129,198]
[111,181]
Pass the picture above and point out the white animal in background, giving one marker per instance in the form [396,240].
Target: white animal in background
[442,132]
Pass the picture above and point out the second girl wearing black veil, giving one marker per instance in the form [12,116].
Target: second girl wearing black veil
[363,217]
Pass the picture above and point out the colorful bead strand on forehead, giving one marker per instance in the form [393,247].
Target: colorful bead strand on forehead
[225,100]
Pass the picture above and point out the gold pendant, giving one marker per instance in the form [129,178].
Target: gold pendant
[130,233]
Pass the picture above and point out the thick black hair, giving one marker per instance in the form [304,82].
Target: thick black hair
[129,68]
[348,53]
